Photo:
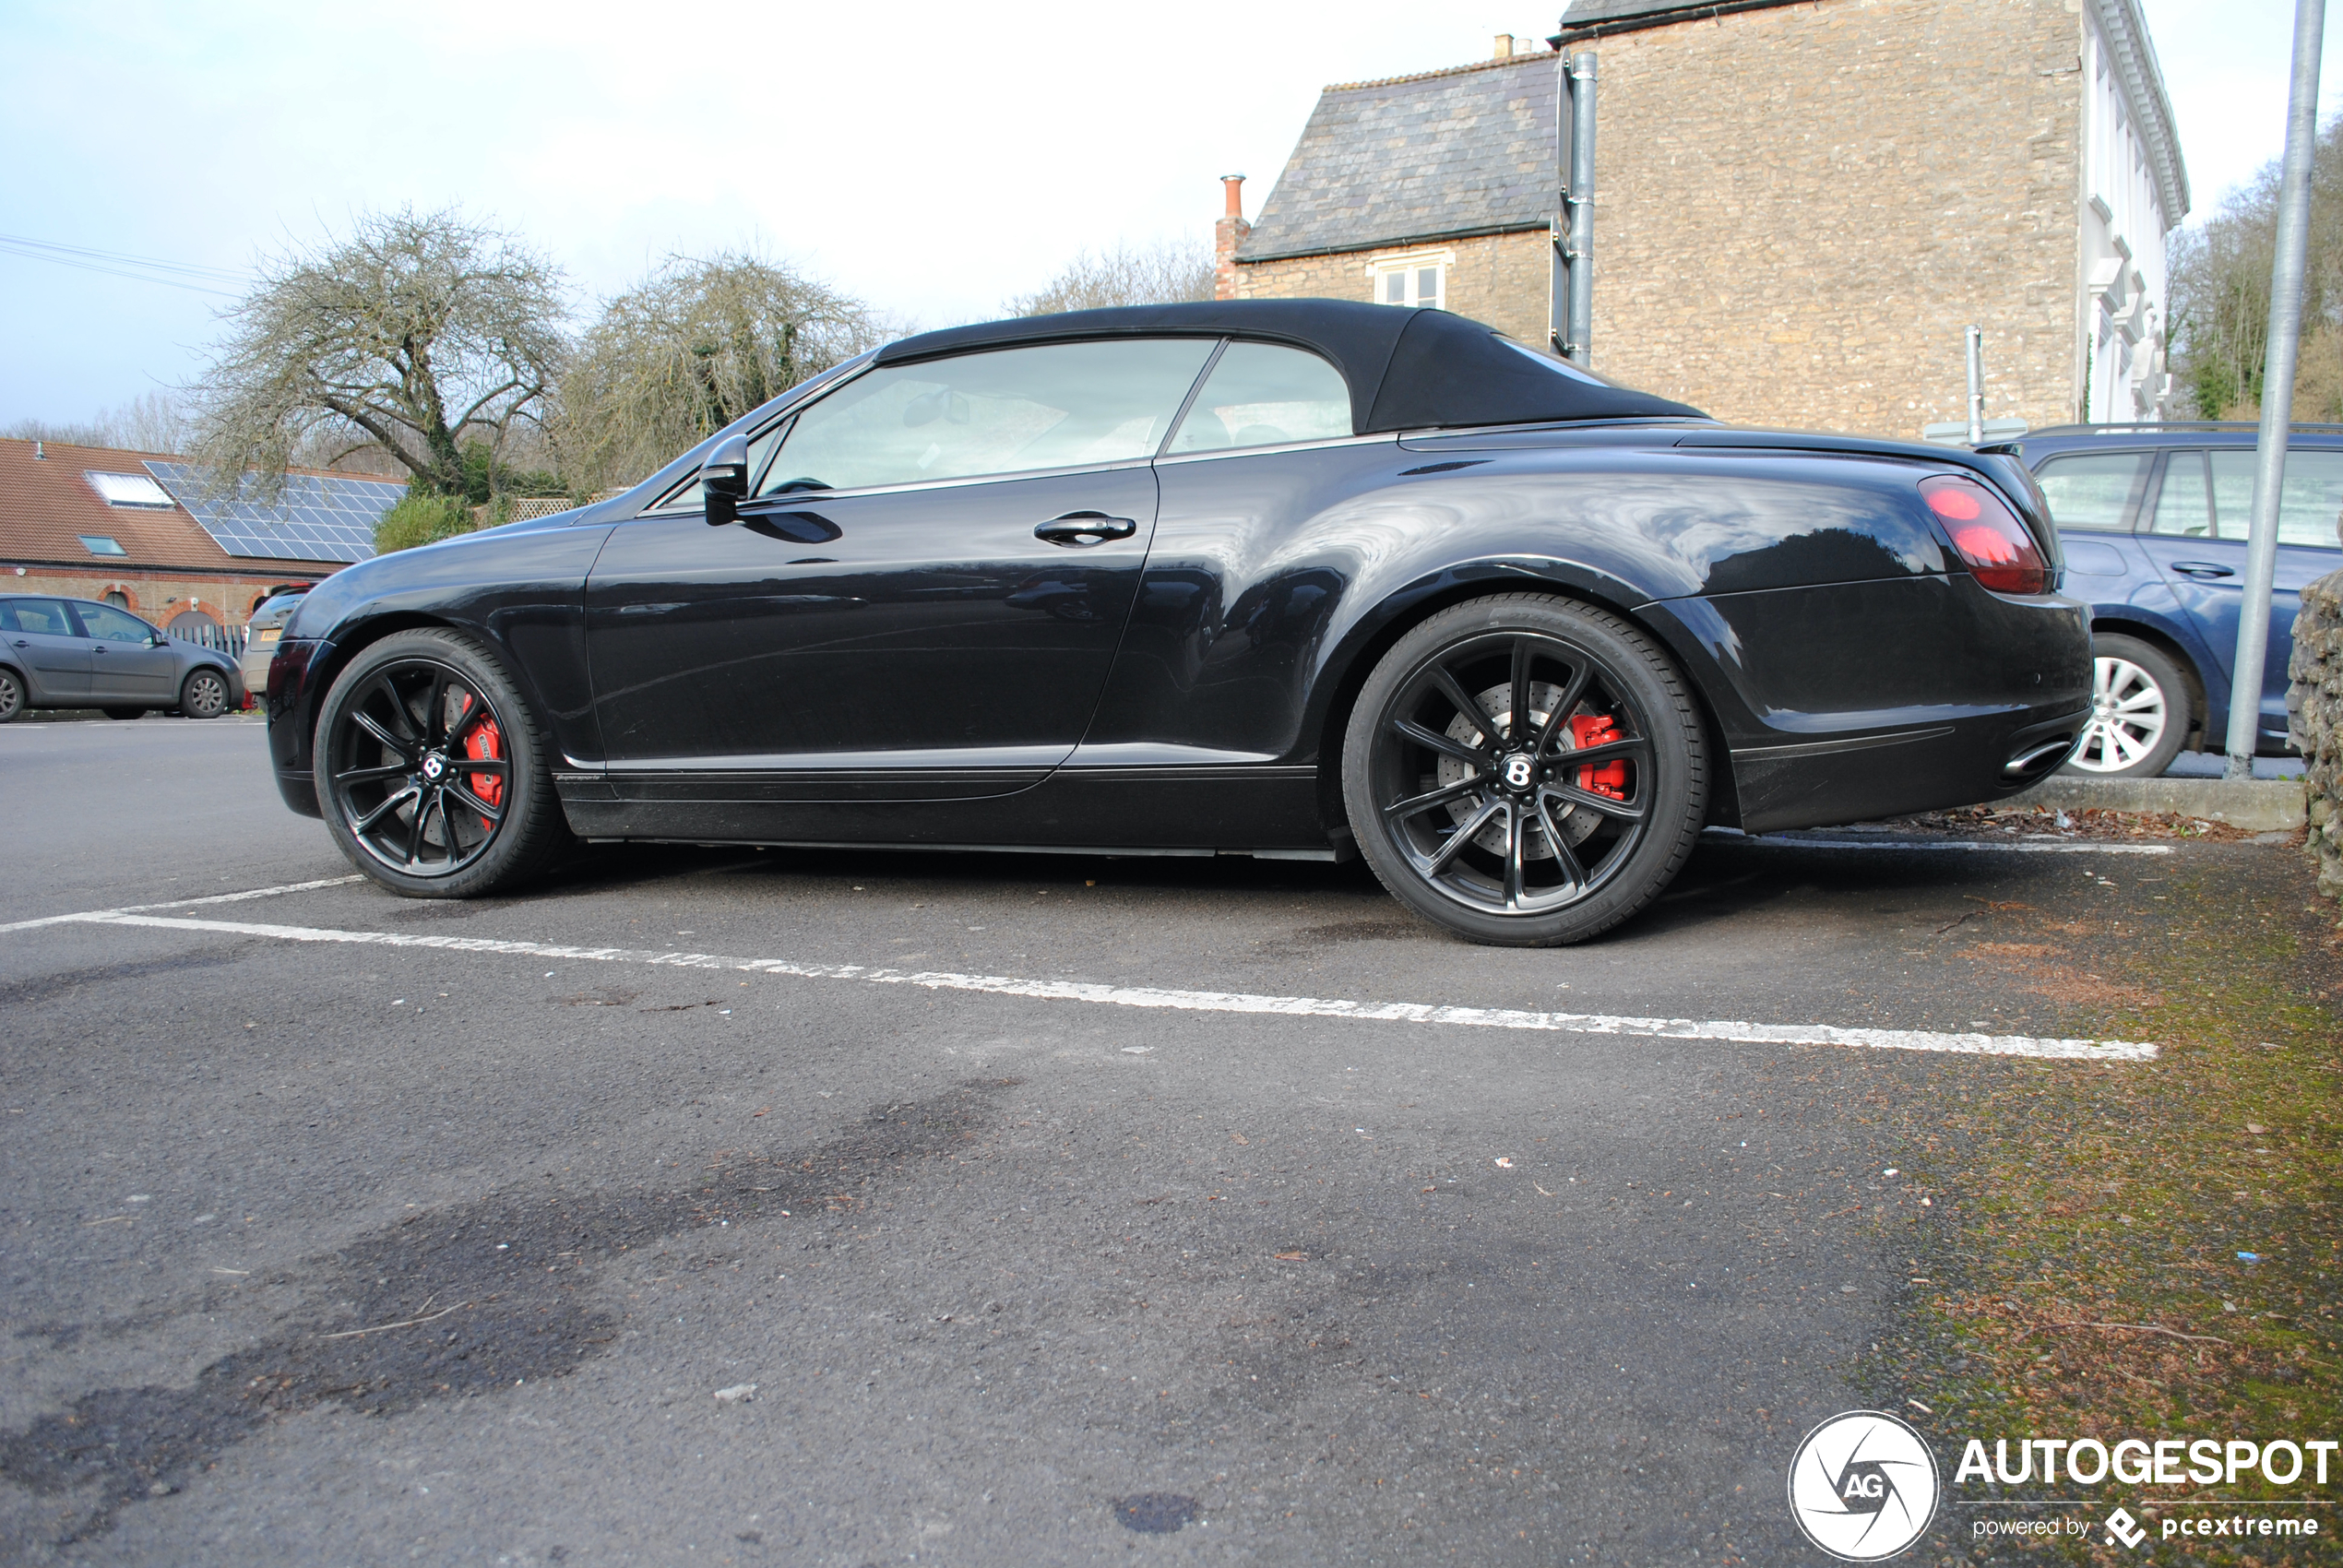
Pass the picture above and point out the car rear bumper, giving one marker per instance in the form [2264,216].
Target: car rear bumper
[293,716]
[1961,762]
[1851,702]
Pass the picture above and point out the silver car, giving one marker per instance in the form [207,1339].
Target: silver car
[267,624]
[57,652]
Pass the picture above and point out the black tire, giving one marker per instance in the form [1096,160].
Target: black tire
[11,696]
[433,775]
[204,693]
[1500,841]
[125,713]
[2140,712]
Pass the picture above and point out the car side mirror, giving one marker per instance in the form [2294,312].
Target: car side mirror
[724,480]
[156,640]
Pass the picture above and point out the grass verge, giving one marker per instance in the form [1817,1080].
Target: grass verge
[2144,1250]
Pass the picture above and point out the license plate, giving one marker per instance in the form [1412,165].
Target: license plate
[270,635]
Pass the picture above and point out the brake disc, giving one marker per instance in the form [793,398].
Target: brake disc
[1497,702]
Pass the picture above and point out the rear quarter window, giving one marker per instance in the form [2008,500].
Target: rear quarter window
[2093,491]
[2309,501]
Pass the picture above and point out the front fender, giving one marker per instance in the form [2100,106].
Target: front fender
[521,590]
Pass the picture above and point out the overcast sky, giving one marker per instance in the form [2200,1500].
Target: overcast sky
[934,158]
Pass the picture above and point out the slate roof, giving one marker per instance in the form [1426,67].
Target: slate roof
[46,503]
[1596,18]
[1440,156]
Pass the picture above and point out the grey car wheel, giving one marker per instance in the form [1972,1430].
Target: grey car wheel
[11,695]
[2139,711]
[204,695]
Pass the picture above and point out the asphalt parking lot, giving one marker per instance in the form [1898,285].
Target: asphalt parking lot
[838,1208]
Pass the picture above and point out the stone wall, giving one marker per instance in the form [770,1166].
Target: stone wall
[1499,279]
[2314,721]
[1798,210]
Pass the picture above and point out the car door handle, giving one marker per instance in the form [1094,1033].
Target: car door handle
[2203,569]
[1082,529]
[96,647]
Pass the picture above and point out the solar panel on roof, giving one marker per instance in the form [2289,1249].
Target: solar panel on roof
[318,518]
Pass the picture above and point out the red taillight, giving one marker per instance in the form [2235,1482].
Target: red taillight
[1986,534]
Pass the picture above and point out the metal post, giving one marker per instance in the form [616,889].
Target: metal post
[1975,386]
[2278,389]
[1582,209]
[1558,274]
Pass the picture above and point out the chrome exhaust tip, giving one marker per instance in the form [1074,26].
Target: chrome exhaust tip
[2040,757]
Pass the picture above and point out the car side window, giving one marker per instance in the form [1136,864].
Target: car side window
[2093,491]
[1263,393]
[109,625]
[41,617]
[2310,500]
[2183,507]
[1008,410]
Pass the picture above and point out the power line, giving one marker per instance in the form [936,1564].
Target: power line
[144,269]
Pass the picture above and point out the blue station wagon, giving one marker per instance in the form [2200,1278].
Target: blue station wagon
[2152,519]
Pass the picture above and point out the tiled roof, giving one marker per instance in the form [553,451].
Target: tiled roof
[47,502]
[1464,151]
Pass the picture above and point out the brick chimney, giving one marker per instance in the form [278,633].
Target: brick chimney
[1227,235]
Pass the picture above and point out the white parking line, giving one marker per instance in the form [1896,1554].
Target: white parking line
[2018,846]
[1192,1001]
[188,903]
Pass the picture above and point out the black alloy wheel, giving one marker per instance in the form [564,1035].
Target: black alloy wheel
[11,696]
[1524,770]
[432,771]
[204,695]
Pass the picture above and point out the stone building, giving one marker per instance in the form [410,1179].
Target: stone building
[134,528]
[1799,204]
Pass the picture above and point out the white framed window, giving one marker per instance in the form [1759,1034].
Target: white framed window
[129,489]
[1418,279]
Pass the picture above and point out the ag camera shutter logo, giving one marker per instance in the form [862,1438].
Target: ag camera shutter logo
[1863,1486]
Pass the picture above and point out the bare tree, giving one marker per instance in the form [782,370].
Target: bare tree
[1161,273]
[153,421]
[689,349]
[417,332]
[2220,273]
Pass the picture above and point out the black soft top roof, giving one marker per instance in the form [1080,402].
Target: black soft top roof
[1408,369]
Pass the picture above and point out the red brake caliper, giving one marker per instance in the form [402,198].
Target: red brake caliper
[485,742]
[1598,730]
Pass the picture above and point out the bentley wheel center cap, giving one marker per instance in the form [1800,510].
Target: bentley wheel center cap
[1518,771]
[434,766]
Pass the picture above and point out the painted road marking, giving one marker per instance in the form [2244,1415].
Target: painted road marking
[190,903]
[1188,1001]
[2018,846]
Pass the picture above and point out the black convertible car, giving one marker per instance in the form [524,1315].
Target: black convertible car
[1274,577]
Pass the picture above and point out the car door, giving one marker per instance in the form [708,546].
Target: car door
[126,664]
[49,648]
[924,596]
[2196,535]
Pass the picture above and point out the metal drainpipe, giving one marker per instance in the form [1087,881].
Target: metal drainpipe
[2278,389]
[1580,349]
